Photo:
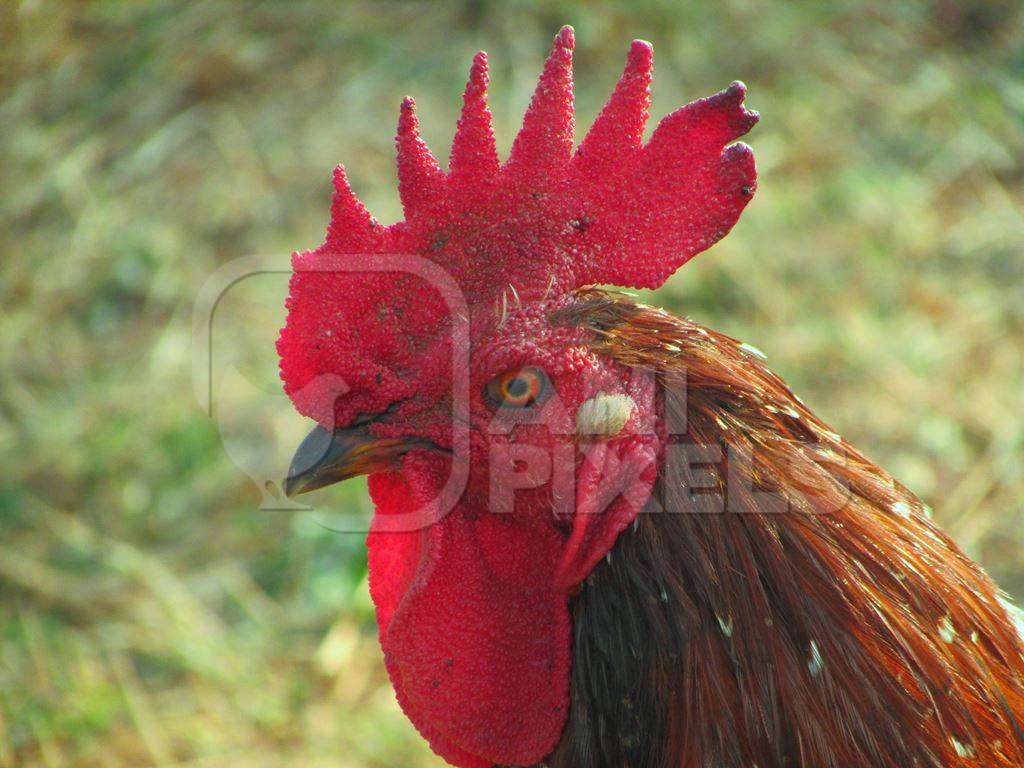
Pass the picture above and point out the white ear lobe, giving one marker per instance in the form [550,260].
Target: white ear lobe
[603,415]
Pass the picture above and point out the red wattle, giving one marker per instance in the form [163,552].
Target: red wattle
[475,637]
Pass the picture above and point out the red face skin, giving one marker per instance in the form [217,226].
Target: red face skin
[472,603]
[473,610]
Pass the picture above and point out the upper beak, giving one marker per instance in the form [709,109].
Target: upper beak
[326,457]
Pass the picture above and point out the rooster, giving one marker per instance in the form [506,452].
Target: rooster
[604,535]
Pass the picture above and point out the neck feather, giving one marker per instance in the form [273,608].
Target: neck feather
[797,609]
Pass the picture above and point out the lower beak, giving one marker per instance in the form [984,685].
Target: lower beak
[327,457]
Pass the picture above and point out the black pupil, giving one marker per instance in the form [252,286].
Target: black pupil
[517,387]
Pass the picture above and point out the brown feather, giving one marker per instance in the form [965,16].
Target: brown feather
[829,624]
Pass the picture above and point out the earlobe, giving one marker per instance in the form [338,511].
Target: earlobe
[604,415]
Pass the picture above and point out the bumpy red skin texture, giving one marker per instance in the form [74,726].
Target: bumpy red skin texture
[473,617]
[472,632]
[473,608]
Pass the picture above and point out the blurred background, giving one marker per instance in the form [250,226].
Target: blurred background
[159,607]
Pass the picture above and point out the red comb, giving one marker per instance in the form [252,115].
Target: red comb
[616,211]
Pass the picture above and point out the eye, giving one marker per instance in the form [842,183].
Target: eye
[519,388]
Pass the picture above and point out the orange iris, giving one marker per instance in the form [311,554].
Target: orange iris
[517,388]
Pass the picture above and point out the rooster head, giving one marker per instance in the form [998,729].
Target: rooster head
[505,452]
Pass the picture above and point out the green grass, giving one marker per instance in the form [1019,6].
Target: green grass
[150,613]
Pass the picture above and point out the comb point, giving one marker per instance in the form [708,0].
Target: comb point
[419,175]
[351,224]
[474,156]
[618,130]
[544,143]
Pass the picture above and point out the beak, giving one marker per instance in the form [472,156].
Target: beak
[326,457]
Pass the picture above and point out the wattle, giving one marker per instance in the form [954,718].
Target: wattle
[476,639]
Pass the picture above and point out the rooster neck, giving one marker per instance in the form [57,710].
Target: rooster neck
[803,611]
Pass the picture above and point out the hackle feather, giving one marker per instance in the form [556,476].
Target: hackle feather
[802,611]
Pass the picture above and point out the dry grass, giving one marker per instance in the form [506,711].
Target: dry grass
[150,614]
